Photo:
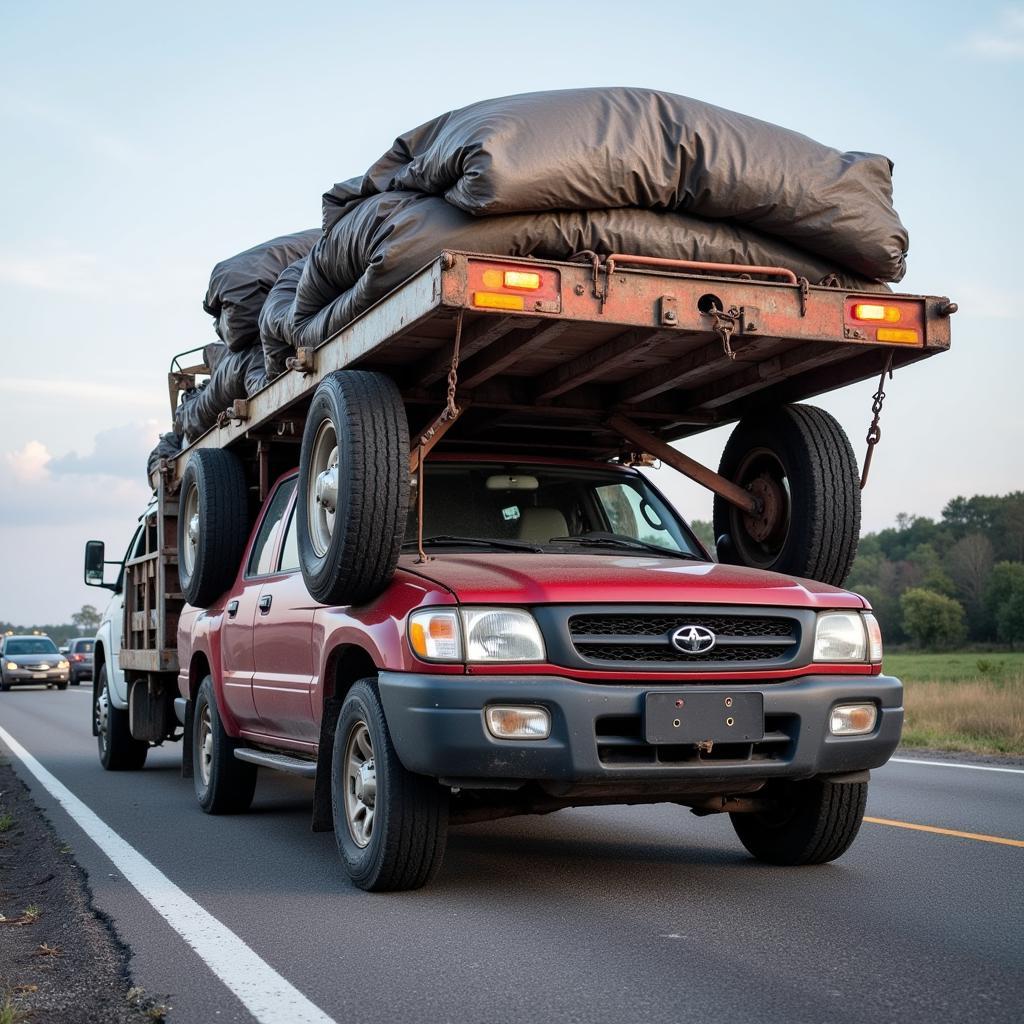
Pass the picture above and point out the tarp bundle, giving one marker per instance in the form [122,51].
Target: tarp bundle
[239,286]
[628,170]
[276,320]
[235,375]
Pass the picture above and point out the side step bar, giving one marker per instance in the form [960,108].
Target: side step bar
[281,762]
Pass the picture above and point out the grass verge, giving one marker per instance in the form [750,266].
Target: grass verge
[962,701]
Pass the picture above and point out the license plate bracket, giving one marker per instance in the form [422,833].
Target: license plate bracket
[704,716]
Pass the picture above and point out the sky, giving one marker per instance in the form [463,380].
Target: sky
[142,143]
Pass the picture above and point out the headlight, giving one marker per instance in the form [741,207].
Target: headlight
[501,634]
[62,663]
[840,636]
[475,635]
[11,666]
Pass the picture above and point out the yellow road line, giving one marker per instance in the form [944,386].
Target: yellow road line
[947,832]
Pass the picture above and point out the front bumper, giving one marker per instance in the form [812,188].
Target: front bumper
[26,677]
[437,726]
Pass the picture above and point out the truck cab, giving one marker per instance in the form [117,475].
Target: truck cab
[555,635]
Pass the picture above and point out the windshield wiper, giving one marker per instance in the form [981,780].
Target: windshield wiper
[481,542]
[617,540]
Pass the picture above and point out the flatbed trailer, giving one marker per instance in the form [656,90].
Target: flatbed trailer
[599,359]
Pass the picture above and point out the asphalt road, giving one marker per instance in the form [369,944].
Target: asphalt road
[592,915]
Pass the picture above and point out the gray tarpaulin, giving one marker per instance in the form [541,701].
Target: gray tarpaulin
[387,237]
[596,149]
[276,320]
[239,285]
[236,375]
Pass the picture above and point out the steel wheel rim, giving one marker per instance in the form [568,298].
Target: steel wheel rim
[360,785]
[760,470]
[103,719]
[205,745]
[322,488]
[190,554]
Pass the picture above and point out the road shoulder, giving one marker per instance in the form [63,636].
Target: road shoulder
[59,957]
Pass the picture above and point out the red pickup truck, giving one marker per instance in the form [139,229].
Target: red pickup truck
[566,641]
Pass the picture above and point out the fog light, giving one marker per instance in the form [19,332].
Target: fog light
[853,719]
[522,723]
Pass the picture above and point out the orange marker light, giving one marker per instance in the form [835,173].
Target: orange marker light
[870,311]
[522,279]
[901,335]
[493,300]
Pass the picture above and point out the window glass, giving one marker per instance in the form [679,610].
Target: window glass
[290,548]
[633,515]
[83,646]
[31,645]
[262,557]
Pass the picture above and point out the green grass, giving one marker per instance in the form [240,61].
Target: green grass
[6,821]
[962,701]
[956,667]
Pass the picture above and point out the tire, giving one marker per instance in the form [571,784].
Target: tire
[213,524]
[119,752]
[798,460]
[4,686]
[404,844]
[355,454]
[62,686]
[223,784]
[812,822]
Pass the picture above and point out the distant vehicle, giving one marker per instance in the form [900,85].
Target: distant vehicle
[32,661]
[64,649]
[79,652]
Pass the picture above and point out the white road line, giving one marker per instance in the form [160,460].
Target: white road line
[265,993]
[954,764]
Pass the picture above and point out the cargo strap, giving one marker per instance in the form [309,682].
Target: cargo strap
[875,430]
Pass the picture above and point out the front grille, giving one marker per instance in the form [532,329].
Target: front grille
[620,741]
[624,638]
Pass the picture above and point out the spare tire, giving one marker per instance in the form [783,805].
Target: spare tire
[213,524]
[797,459]
[353,491]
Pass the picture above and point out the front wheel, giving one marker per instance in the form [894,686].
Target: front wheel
[391,825]
[119,752]
[224,785]
[810,822]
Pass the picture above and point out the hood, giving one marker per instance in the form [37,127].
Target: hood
[35,660]
[529,579]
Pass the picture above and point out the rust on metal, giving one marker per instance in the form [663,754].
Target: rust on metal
[731,492]
[701,265]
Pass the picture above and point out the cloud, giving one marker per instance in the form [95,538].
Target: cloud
[72,487]
[57,268]
[63,388]
[77,126]
[1003,41]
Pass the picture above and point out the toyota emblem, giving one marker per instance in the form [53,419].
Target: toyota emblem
[693,639]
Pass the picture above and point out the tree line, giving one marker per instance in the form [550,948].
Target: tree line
[940,583]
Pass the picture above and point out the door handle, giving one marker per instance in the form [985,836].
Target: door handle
[232,609]
[265,602]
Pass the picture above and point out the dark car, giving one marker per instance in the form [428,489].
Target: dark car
[80,658]
[32,661]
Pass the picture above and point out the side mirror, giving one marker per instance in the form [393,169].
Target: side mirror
[94,556]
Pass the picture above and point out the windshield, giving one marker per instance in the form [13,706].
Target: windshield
[533,507]
[31,645]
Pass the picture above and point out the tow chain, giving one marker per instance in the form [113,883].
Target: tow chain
[724,325]
[452,410]
[875,430]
